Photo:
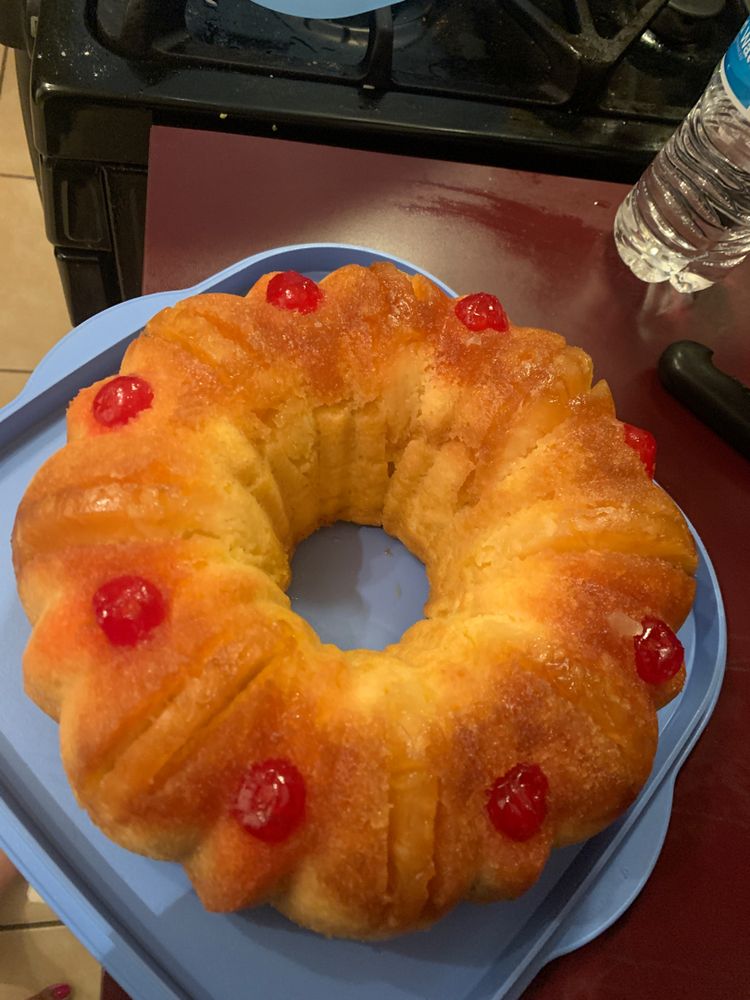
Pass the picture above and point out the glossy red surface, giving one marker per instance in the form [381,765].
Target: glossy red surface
[517,801]
[270,803]
[481,311]
[290,290]
[121,400]
[658,652]
[543,245]
[644,444]
[128,608]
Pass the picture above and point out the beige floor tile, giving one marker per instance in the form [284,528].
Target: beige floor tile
[11,384]
[32,307]
[14,153]
[40,956]
[21,905]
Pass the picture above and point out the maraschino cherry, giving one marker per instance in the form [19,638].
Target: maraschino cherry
[271,801]
[121,399]
[481,311]
[644,443]
[659,654]
[127,608]
[517,801]
[292,290]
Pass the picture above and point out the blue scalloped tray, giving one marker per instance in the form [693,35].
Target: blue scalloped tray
[140,918]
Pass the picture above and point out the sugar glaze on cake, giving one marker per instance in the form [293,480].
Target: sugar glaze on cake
[362,793]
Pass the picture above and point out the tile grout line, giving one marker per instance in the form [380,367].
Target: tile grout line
[16,177]
[2,67]
[41,924]
[16,371]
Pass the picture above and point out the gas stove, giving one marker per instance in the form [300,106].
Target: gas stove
[626,59]
[583,87]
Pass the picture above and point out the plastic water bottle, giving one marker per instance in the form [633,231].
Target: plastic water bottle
[687,220]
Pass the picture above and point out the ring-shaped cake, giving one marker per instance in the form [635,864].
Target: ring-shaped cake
[362,793]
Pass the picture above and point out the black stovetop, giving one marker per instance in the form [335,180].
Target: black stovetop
[573,86]
[620,58]
[588,88]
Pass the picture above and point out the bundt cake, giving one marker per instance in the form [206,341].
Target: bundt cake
[361,793]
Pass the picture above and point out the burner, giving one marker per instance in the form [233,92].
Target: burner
[684,23]
[409,24]
[697,8]
[624,57]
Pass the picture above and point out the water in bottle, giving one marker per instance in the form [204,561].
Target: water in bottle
[687,220]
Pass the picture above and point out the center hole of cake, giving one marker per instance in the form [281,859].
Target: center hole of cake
[357,586]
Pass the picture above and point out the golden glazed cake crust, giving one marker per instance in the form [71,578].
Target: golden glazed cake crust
[490,455]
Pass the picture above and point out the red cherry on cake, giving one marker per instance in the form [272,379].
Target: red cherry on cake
[271,801]
[292,290]
[128,608]
[121,399]
[517,802]
[481,311]
[644,443]
[659,654]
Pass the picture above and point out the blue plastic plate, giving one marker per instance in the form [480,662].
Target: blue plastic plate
[140,918]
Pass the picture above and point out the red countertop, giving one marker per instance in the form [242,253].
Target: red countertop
[543,245]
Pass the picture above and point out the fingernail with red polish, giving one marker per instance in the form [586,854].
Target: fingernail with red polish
[59,992]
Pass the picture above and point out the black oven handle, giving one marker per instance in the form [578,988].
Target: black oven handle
[687,370]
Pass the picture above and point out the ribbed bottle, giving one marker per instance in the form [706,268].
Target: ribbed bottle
[687,220]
